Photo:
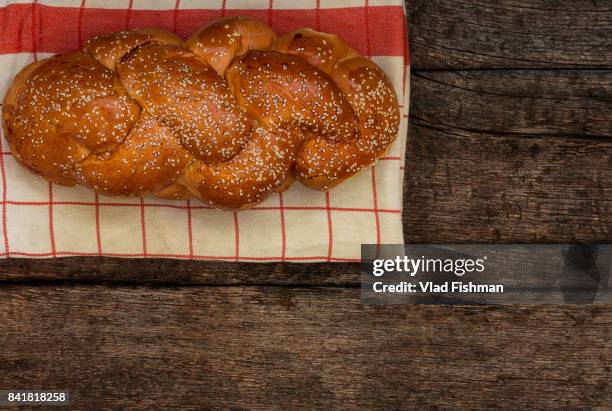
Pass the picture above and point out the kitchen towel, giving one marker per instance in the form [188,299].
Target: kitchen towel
[40,219]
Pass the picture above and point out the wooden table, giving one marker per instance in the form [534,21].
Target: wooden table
[510,141]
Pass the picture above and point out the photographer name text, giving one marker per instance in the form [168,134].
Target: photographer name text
[406,287]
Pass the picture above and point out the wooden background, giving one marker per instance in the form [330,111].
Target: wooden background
[510,141]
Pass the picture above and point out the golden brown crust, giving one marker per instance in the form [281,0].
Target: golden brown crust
[65,109]
[229,116]
[108,50]
[321,164]
[250,176]
[190,98]
[221,41]
[150,158]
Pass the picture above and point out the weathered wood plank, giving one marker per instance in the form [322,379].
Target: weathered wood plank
[463,186]
[560,102]
[459,34]
[168,271]
[285,348]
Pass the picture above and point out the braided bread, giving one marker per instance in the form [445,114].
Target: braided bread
[228,116]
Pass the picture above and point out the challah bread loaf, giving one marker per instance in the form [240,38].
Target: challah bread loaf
[228,116]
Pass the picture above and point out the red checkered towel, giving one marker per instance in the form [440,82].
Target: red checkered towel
[40,219]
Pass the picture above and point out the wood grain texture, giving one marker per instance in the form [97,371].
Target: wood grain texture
[465,186]
[168,271]
[516,103]
[481,34]
[284,348]
[510,156]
